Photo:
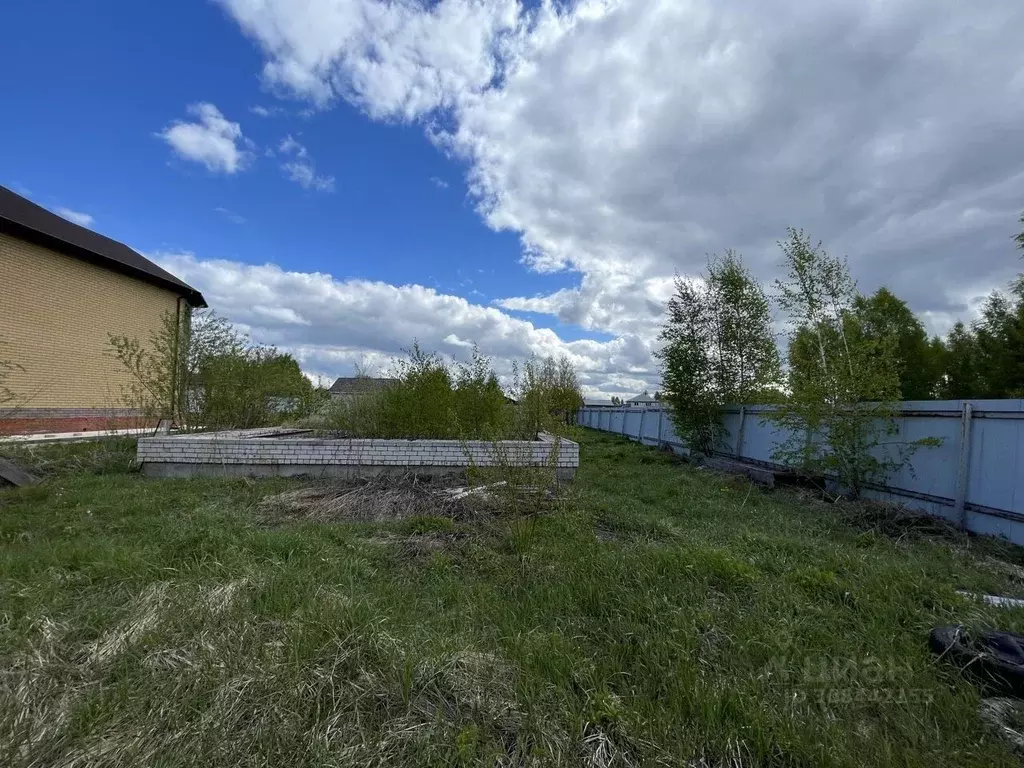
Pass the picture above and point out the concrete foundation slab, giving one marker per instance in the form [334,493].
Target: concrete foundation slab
[290,453]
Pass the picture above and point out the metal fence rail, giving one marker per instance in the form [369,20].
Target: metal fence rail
[974,478]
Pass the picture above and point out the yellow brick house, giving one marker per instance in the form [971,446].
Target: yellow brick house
[64,290]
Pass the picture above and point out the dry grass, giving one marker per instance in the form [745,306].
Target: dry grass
[898,522]
[1006,718]
[387,498]
[422,545]
[145,616]
[378,499]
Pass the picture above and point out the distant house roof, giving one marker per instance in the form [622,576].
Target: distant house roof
[643,399]
[23,219]
[592,403]
[358,385]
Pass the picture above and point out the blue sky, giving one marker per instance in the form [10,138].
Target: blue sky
[125,70]
[529,179]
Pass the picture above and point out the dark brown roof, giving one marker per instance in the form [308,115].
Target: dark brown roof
[358,385]
[25,220]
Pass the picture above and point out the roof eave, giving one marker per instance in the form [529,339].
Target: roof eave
[23,232]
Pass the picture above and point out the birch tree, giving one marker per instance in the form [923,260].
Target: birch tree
[843,380]
[719,349]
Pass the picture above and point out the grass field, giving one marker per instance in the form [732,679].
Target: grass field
[660,615]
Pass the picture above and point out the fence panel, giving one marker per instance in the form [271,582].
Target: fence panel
[980,484]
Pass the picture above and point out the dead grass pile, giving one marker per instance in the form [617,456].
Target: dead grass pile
[898,522]
[377,499]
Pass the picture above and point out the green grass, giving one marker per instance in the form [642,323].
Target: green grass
[663,615]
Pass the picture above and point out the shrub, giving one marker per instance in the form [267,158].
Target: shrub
[430,399]
[547,394]
[202,373]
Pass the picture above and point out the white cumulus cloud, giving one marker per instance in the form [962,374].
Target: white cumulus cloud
[329,324]
[82,219]
[212,140]
[260,111]
[299,167]
[624,140]
[231,216]
[388,57]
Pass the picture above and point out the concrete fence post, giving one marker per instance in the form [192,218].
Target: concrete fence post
[739,432]
[661,414]
[640,431]
[963,466]
[625,413]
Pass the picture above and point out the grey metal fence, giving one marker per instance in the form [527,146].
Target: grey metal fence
[975,477]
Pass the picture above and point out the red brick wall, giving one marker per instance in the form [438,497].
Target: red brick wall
[80,424]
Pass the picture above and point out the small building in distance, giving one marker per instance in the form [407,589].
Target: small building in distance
[352,387]
[644,401]
[64,290]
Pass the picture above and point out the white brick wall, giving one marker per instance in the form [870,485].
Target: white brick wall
[248,447]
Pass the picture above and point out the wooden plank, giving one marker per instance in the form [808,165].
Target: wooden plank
[14,474]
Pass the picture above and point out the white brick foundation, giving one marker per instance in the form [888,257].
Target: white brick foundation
[261,452]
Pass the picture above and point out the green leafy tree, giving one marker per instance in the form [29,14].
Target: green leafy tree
[687,367]
[548,393]
[481,406]
[936,360]
[960,372]
[568,390]
[882,315]
[422,402]
[999,334]
[201,372]
[428,398]
[745,355]
[165,372]
[252,387]
[843,376]
[719,349]
[987,359]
